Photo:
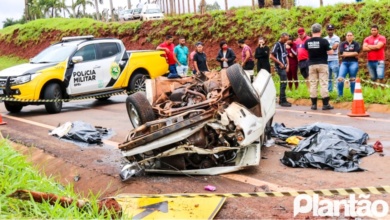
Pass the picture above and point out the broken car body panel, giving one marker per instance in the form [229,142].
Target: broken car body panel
[205,124]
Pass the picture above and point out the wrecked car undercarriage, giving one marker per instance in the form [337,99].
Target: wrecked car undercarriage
[207,124]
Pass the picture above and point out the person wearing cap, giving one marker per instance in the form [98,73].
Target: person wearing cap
[302,54]
[279,56]
[200,59]
[375,45]
[169,48]
[349,52]
[318,49]
[182,57]
[226,56]
[333,59]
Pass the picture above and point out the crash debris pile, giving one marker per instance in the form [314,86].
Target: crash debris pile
[81,133]
[325,146]
[206,124]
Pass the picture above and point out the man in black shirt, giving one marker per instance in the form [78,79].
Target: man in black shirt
[279,56]
[200,60]
[318,49]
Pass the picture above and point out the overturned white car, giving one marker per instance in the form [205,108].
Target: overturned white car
[206,124]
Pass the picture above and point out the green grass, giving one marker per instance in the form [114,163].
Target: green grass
[371,95]
[238,23]
[16,173]
[8,61]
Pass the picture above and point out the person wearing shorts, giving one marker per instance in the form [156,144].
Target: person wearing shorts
[375,45]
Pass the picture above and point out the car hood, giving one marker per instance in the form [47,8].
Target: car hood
[25,68]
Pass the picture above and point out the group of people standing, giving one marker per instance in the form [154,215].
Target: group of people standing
[316,58]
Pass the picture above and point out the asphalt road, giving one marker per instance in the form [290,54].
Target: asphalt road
[98,166]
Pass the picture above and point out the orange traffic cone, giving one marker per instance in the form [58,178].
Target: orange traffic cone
[358,102]
[1,121]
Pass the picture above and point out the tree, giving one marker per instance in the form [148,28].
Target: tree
[83,4]
[9,21]
[51,8]
[203,7]
[97,10]
[226,5]
[321,3]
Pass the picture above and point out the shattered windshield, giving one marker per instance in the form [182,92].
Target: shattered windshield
[55,53]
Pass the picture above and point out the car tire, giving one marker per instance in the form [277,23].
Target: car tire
[137,82]
[242,86]
[139,109]
[13,107]
[53,91]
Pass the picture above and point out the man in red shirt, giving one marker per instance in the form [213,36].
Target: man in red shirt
[303,55]
[169,48]
[375,45]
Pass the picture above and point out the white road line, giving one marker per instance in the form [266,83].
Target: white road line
[236,177]
[333,115]
[108,142]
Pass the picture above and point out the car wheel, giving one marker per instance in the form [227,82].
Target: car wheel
[13,107]
[137,82]
[242,86]
[53,91]
[104,98]
[139,109]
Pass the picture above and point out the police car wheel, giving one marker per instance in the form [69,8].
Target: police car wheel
[53,91]
[13,107]
[242,86]
[137,82]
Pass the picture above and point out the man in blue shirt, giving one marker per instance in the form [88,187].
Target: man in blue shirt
[182,56]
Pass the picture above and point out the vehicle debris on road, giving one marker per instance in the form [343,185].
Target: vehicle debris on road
[207,124]
[325,146]
[80,132]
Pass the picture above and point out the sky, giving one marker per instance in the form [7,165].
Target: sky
[14,8]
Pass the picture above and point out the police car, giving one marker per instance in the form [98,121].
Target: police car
[78,67]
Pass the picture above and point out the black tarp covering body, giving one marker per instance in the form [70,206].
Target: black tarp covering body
[80,132]
[325,146]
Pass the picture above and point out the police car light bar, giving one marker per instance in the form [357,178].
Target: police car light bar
[87,37]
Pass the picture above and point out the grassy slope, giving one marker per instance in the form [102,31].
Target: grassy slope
[16,173]
[218,25]
[8,61]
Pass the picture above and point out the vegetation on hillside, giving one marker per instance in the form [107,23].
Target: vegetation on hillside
[8,61]
[231,25]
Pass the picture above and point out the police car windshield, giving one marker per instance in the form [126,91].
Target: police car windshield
[54,54]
